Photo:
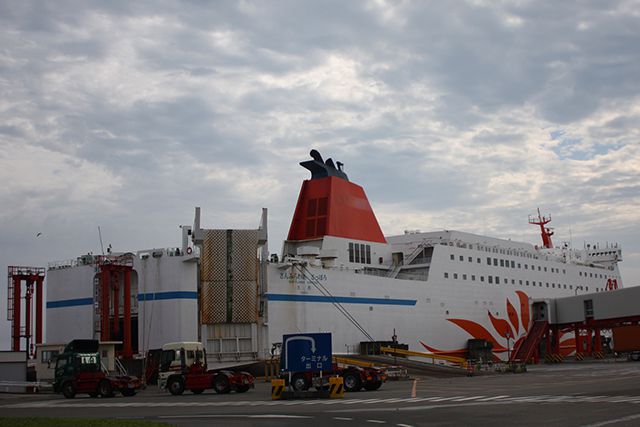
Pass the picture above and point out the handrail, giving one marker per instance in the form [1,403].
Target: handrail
[452,359]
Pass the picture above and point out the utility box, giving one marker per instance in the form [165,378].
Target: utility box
[480,351]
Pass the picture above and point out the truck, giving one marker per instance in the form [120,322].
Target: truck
[78,369]
[626,340]
[183,366]
[355,378]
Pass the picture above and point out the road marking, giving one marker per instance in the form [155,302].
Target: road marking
[269,416]
[444,399]
[467,398]
[486,399]
[376,421]
[452,400]
[614,421]
[343,419]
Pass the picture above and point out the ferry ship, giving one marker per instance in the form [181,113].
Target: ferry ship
[432,290]
[337,272]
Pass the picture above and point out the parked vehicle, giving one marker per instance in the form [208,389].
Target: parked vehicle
[78,370]
[626,340]
[355,378]
[183,366]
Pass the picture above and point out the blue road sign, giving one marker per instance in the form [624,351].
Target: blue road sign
[306,352]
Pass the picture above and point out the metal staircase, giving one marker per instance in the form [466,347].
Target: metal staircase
[525,350]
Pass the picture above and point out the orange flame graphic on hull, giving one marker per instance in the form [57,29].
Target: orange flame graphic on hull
[505,330]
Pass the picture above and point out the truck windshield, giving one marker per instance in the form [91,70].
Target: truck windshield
[167,357]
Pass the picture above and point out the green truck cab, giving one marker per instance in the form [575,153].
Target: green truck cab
[78,370]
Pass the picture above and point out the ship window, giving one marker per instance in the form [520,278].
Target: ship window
[547,284]
[526,266]
[564,271]
[539,268]
[570,286]
[497,280]
[565,286]
[368,253]
[580,273]
[446,275]
[350,252]
[453,257]
[520,282]
[464,277]
[501,263]
[322,206]
[490,279]
[545,269]
[488,261]
[482,278]
[461,258]
[470,259]
[553,285]
[527,283]
[590,274]
[587,288]
[455,275]
[473,278]
[479,261]
[513,264]
[495,262]
[357,252]
[533,283]
[519,266]
[513,281]
[362,254]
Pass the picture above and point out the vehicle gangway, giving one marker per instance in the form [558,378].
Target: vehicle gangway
[526,349]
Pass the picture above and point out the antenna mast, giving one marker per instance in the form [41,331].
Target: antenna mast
[101,245]
[544,231]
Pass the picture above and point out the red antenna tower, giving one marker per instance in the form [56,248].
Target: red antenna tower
[545,232]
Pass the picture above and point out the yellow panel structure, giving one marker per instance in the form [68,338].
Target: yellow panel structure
[229,276]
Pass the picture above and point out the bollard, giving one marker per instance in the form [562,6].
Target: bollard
[277,387]
[336,388]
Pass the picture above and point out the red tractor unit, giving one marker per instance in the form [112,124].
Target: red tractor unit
[78,370]
[183,366]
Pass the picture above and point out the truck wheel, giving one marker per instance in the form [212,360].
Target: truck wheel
[69,390]
[128,392]
[635,356]
[299,383]
[197,390]
[221,384]
[176,386]
[352,382]
[242,388]
[105,389]
[94,394]
[372,385]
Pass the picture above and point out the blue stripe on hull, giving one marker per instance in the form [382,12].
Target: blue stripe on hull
[342,300]
[149,296]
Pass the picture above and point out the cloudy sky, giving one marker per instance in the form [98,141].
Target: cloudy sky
[451,114]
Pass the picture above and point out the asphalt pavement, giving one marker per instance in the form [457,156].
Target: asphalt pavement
[568,394]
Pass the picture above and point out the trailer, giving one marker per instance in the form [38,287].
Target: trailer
[355,378]
[183,366]
[79,370]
